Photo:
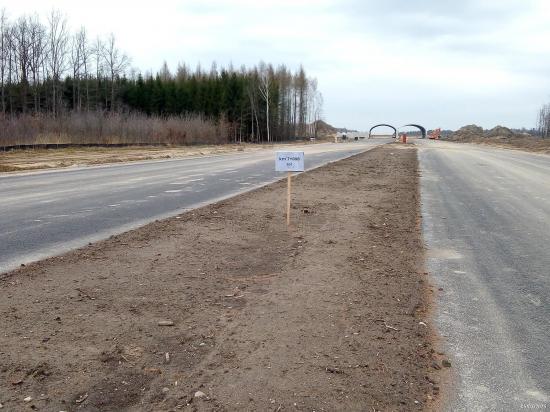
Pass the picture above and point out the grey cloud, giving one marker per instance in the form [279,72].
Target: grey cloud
[432,18]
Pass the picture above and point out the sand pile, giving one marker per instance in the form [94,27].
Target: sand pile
[469,132]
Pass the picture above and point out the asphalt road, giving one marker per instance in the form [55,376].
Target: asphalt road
[486,217]
[47,213]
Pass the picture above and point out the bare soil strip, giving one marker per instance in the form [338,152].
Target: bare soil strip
[33,159]
[526,144]
[223,308]
[20,160]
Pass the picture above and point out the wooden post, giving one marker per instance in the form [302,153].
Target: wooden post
[289,162]
[288,191]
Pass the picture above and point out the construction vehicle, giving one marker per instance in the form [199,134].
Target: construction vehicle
[435,134]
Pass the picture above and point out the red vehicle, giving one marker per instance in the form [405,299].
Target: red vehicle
[435,134]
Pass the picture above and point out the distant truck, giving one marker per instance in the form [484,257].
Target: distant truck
[435,134]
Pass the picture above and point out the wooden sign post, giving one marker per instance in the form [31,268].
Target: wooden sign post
[288,194]
[289,162]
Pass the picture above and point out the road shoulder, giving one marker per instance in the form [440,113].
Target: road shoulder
[526,144]
[28,160]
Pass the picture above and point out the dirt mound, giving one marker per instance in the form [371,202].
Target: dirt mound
[503,137]
[324,129]
[500,132]
[471,131]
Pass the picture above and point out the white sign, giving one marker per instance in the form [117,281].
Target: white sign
[289,162]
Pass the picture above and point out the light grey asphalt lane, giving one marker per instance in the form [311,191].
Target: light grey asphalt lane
[47,213]
[486,218]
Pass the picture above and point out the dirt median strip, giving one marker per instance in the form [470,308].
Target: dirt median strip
[223,308]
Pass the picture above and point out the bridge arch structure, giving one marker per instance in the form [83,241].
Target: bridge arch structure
[421,128]
[383,125]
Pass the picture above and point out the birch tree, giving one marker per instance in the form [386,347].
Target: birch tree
[302,86]
[265,87]
[252,93]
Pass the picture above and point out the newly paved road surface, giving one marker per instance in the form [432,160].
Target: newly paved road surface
[47,213]
[486,216]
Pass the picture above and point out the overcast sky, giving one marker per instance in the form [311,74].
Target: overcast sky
[435,62]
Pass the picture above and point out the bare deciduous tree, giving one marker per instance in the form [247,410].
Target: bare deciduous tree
[252,92]
[315,107]
[543,123]
[116,63]
[85,57]
[58,39]
[165,74]
[59,70]
[37,57]
[265,91]
[79,58]
[302,92]
[97,53]
[21,39]
[4,56]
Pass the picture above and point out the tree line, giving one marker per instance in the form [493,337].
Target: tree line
[543,121]
[262,103]
[47,71]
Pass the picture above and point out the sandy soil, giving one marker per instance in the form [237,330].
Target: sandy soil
[528,144]
[223,308]
[18,160]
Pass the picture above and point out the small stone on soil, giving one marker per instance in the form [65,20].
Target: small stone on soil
[165,323]
[82,398]
[446,363]
[200,394]
[27,399]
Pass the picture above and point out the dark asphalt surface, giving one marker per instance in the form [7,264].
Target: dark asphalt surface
[486,217]
[47,213]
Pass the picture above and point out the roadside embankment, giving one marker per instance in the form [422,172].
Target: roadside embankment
[224,308]
[502,137]
[33,159]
